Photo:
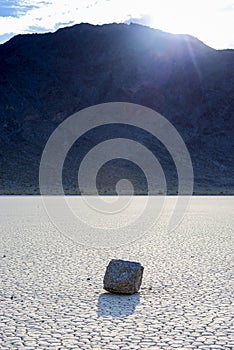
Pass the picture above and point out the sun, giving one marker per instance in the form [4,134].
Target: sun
[175,17]
[197,18]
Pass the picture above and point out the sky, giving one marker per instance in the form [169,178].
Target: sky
[211,21]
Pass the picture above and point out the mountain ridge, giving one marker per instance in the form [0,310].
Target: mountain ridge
[46,77]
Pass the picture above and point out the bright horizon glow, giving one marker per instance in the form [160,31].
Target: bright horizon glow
[211,21]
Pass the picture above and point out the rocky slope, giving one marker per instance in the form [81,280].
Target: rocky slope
[46,77]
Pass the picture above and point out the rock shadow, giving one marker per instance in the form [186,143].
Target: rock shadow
[117,305]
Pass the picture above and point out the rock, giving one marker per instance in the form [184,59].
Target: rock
[123,277]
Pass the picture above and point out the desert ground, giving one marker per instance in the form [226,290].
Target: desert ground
[52,296]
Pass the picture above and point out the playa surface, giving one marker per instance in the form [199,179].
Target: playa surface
[51,292]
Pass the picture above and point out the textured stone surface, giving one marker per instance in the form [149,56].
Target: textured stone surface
[123,277]
[190,272]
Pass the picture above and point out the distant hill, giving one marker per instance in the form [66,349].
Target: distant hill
[44,78]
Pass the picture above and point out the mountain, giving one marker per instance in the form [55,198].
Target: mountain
[44,78]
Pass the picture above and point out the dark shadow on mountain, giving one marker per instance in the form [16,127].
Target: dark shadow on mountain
[45,78]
